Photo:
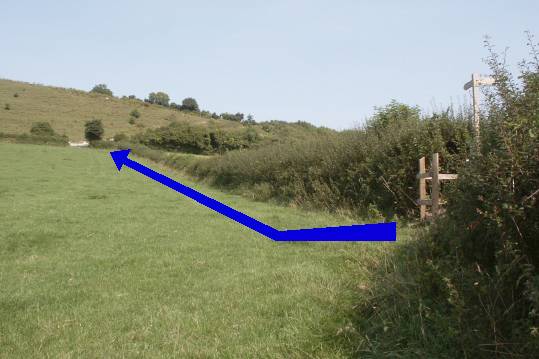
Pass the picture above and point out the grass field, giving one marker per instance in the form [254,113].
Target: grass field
[67,110]
[96,263]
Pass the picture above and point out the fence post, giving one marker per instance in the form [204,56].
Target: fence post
[422,189]
[435,184]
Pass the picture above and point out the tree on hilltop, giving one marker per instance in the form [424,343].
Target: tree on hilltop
[190,104]
[102,89]
[158,98]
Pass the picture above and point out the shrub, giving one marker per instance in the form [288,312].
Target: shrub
[190,104]
[135,113]
[131,121]
[120,137]
[101,89]
[16,94]
[93,130]
[7,107]
[42,129]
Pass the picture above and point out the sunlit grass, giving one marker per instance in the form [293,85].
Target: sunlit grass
[97,263]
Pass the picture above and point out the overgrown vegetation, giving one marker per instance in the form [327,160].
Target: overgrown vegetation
[374,166]
[469,287]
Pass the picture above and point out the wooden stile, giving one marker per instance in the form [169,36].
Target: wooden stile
[434,176]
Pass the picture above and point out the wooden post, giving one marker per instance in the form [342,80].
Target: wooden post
[435,184]
[474,84]
[475,99]
[422,190]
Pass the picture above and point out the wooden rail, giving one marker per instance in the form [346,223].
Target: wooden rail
[434,176]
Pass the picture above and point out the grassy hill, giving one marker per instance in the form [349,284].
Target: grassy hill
[67,110]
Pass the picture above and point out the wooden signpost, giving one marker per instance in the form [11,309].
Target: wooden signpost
[434,176]
[474,84]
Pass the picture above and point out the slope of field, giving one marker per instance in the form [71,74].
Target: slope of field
[67,110]
[96,263]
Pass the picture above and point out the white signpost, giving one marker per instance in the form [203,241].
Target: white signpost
[477,80]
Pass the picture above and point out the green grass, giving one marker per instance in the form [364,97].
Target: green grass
[68,109]
[96,263]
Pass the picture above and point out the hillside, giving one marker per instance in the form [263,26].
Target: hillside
[67,110]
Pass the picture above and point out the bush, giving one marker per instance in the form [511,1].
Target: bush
[135,113]
[119,137]
[42,129]
[16,94]
[101,89]
[190,104]
[131,121]
[7,107]
[93,130]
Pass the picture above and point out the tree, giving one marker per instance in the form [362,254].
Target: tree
[250,120]
[190,104]
[238,117]
[158,98]
[93,130]
[42,129]
[102,89]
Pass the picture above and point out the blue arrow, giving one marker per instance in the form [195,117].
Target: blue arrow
[356,232]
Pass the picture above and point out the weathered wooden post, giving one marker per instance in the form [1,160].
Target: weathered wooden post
[435,184]
[422,189]
[474,84]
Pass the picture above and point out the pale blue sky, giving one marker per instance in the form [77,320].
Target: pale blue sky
[326,62]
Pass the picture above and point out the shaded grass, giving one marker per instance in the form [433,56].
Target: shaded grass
[98,263]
